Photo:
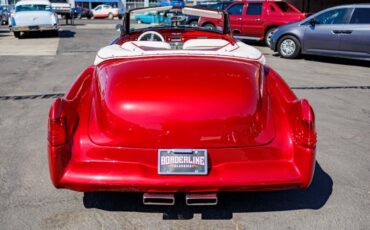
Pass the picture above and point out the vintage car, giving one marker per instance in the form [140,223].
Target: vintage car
[149,18]
[171,108]
[33,16]
[107,11]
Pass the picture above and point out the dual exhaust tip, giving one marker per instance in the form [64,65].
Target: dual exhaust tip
[191,199]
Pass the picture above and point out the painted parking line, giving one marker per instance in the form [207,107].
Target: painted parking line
[97,26]
[43,46]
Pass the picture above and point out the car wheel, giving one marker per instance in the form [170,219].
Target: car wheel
[193,23]
[289,47]
[268,36]
[17,34]
[119,17]
[139,22]
[110,16]
[209,26]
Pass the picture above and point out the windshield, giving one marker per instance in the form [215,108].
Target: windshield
[32,7]
[167,16]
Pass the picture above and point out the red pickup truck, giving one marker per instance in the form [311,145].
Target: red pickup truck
[257,19]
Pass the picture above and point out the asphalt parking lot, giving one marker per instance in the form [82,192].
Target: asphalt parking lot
[35,69]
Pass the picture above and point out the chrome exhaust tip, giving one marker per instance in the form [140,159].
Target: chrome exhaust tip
[194,199]
[158,199]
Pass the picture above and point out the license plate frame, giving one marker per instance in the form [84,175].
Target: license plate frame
[182,162]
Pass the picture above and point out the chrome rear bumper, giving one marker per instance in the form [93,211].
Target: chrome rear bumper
[34,28]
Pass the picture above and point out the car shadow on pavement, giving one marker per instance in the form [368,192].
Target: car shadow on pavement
[66,34]
[314,197]
[335,60]
[74,24]
[61,34]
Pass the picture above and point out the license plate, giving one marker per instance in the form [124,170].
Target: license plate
[182,161]
[33,27]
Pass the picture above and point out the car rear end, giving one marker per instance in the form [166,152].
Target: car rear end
[43,21]
[234,127]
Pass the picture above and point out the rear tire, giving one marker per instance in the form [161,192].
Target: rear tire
[268,36]
[193,23]
[17,34]
[209,26]
[289,47]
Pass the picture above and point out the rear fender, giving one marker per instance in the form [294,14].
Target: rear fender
[298,111]
[301,119]
[63,120]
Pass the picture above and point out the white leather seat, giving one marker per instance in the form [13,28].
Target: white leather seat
[204,44]
[145,45]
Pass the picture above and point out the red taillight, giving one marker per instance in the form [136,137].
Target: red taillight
[304,126]
[57,131]
[305,133]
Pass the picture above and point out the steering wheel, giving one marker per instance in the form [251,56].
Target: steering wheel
[151,36]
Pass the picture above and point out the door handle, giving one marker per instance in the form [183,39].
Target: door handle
[258,19]
[341,31]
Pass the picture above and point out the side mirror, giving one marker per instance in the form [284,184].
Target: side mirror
[119,27]
[313,22]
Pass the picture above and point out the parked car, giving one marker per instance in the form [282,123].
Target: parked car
[342,31]
[149,116]
[193,20]
[5,12]
[256,20]
[33,16]
[177,3]
[79,12]
[151,17]
[107,11]
[62,8]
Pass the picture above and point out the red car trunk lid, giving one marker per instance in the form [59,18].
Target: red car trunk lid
[182,102]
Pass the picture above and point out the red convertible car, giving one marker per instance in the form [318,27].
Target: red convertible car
[174,108]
